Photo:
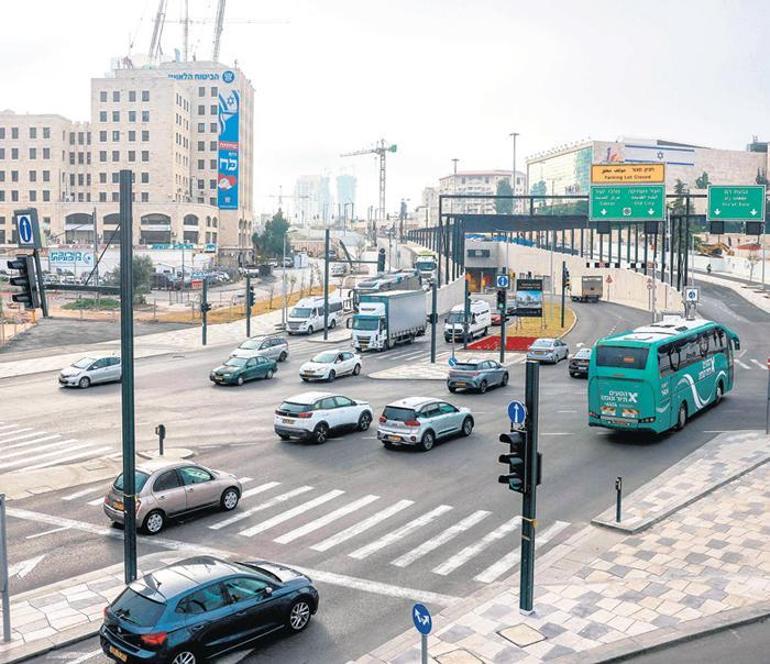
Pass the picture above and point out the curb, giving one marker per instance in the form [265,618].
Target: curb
[571,327]
[57,645]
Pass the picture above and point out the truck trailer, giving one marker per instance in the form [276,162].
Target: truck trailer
[591,289]
[386,319]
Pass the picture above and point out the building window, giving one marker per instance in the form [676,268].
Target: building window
[14,132]
[33,132]
[80,157]
[214,109]
[116,155]
[145,95]
[103,95]
[213,163]
[72,138]
[46,132]
[46,176]
[145,116]
[145,177]
[72,179]
[32,196]
[132,95]
[102,116]
[213,145]
[102,136]
[201,92]
[145,197]
[131,136]
[33,153]
[2,176]
[132,155]
[2,132]
[81,138]
[72,158]
[2,153]
[213,201]
[116,95]
[14,176]
[145,135]
[81,180]
[201,127]
[201,164]
[46,153]
[132,116]
[213,127]
[102,197]
[2,198]
[46,195]
[102,155]
[145,155]
[103,178]
[15,196]
[115,196]
[33,176]
[14,153]
[116,135]
[116,116]
[212,184]
[116,177]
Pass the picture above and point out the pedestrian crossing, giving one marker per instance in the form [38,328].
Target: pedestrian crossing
[749,364]
[26,448]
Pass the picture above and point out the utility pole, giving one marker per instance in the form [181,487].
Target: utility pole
[248,305]
[4,591]
[96,261]
[513,135]
[205,306]
[466,312]
[326,283]
[433,321]
[529,504]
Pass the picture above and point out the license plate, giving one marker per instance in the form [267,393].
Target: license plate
[287,421]
[218,379]
[123,657]
[617,420]
[118,505]
[460,384]
[393,439]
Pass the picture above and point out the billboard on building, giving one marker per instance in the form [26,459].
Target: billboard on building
[229,143]
[529,297]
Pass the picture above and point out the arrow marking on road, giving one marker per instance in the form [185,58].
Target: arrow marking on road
[25,566]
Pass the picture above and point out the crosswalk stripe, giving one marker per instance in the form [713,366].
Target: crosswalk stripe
[451,564]
[361,526]
[259,489]
[290,514]
[5,435]
[325,520]
[38,448]
[743,364]
[759,364]
[83,492]
[276,500]
[440,539]
[399,533]
[73,457]
[30,442]
[508,561]
[520,360]
[8,426]
[36,457]
[245,480]
[96,501]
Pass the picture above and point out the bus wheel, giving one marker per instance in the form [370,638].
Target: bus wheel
[681,418]
[720,393]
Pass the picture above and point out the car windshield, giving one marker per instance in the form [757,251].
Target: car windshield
[251,344]
[84,363]
[325,358]
[301,312]
[455,317]
[467,366]
[137,609]
[617,356]
[360,323]
[140,480]
[291,407]
[398,414]
[235,362]
[543,343]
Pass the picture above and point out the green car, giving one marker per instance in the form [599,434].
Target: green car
[237,370]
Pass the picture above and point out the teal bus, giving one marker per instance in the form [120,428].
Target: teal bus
[657,376]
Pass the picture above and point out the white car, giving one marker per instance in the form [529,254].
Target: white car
[90,371]
[330,364]
[314,415]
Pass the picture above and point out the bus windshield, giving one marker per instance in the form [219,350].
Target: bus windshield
[621,357]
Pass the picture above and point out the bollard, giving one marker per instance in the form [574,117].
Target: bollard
[160,432]
[618,497]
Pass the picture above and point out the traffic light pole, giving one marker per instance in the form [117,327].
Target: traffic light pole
[563,289]
[127,373]
[204,309]
[326,284]
[433,321]
[248,305]
[466,314]
[529,504]
[40,284]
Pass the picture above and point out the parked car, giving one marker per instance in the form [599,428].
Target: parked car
[315,415]
[168,490]
[90,371]
[548,350]
[330,364]
[275,348]
[578,363]
[476,376]
[238,370]
[421,421]
[202,607]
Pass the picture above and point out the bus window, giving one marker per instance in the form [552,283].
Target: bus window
[664,361]
[704,342]
[625,358]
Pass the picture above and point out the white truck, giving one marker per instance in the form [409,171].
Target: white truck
[307,316]
[386,319]
[426,264]
[479,320]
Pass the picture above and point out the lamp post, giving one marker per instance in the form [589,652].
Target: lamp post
[283,279]
[513,135]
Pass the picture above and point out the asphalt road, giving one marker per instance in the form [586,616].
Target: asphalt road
[367,582]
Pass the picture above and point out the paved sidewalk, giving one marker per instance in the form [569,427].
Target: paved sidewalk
[604,594]
[424,370]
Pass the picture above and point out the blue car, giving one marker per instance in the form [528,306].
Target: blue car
[202,607]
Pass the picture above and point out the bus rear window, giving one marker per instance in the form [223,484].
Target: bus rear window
[621,358]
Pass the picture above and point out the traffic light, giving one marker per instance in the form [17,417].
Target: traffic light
[501,299]
[205,306]
[28,295]
[565,277]
[251,296]
[381,261]
[516,460]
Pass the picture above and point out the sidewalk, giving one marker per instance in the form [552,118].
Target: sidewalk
[604,594]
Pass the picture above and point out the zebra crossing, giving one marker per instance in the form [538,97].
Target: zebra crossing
[27,448]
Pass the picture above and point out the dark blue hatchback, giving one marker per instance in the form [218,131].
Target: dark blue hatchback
[202,607]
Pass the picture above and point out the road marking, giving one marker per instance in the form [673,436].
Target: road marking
[290,514]
[37,449]
[557,433]
[72,457]
[566,411]
[325,520]
[259,489]
[32,435]
[361,526]
[21,569]
[86,656]
[743,364]
[96,501]
[84,492]
[451,564]
[36,457]
[580,344]
[494,571]
[399,533]
[759,364]
[440,539]
[276,500]
[48,532]
[13,433]
[245,480]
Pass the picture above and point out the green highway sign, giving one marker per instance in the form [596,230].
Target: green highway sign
[736,203]
[627,202]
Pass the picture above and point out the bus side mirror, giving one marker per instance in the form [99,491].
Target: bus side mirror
[737,344]
[349,323]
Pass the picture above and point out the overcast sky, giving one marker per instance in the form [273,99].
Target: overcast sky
[440,78]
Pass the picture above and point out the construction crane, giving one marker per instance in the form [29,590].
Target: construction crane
[218,29]
[381,149]
[157,31]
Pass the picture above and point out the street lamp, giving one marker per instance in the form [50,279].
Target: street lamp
[285,296]
[513,135]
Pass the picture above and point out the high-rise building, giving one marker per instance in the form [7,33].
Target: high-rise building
[313,199]
[346,195]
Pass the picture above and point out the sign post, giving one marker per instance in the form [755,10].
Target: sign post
[503,281]
[6,597]
[423,623]
[767,405]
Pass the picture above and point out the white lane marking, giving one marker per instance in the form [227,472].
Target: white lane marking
[35,457]
[451,564]
[743,364]
[72,457]
[566,411]
[580,344]
[361,526]
[5,434]
[26,443]
[557,433]
[275,500]
[759,364]
[21,569]
[84,492]
[413,356]
[399,533]
[497,569]
[325,520]
[245,480]
[96,501]
[259,489]
[86,656]
[290,514]
[440,539]
[37,448]
[48,532]
[742,352]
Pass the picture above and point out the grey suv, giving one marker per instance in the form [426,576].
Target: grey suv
[421,421]
[272,347]
[476,376]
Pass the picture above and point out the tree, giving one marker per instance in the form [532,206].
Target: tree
[677,206]
[271,241]
[761,176]
[143,270]
[702,182]
[504,205]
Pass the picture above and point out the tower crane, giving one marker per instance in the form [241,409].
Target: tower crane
[218,29]
[157,30]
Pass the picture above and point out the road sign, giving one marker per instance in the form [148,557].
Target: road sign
[627,202]
[692,295]
[27,229]
[452,361]
[628,173]
[517,412]
[502,281]
[421,619]
[650,284]
[729,203]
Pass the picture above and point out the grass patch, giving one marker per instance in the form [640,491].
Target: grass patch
[90,304]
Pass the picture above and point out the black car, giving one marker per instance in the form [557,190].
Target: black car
[578,363]
[201,607]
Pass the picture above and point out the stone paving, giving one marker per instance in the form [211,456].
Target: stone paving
[615,593]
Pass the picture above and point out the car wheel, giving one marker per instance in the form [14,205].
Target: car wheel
[185,656]
[452,388]
[364,421]
[270,373]
[681,417]
[304,380]
[483,386]
[427,442]
[310,329]
[505,379]
[239,381]
[332,375]
[154,522]
[719,393]
[84,383]
[283,436]
[282,357]
[230,498]
[333,324]
[320,434]
[299,615]
[467,426]
[356,369]
[388,446]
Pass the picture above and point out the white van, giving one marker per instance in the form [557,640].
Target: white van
[478,323]
[307,316]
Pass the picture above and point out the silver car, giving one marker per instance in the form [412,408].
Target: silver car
[476,376]
[421,421]
[90,371]
[274,348]
[167,490]
[548,350]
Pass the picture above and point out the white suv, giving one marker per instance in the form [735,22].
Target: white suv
[421,421]
[314,415]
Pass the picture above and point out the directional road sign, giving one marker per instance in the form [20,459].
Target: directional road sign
[692,295]
[452,361]
[421,619]
[729,203]
[517,412]
[502,281]
[627,202]
[28,231]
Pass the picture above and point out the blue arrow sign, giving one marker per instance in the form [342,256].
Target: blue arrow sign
[517,412]
[452,361]
[24,223]
[502,281]
[421,619]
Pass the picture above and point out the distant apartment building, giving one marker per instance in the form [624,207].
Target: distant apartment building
[183,128]
[477,182]
[313,199]
[346,195]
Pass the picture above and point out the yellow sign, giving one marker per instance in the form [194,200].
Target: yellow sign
[628,173]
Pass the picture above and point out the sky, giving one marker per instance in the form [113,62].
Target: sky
[442,79]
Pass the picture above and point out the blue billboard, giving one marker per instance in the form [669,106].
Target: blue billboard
[229,149]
